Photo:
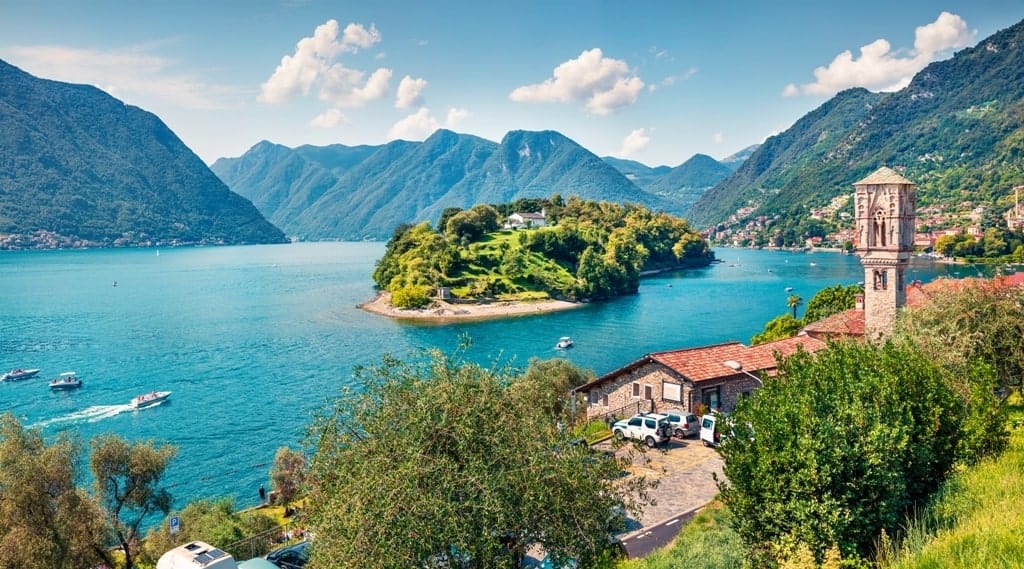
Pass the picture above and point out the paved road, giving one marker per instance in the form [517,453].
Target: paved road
[685,473]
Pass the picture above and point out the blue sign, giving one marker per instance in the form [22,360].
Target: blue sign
[175,525]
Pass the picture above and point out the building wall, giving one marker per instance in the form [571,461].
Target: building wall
[618,393]
[730,390]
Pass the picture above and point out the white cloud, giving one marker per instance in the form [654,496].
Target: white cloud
[356,36]
[455,116]
[132,75]
[635,142]
[410,92]
[315,60]
[603,84]
[718,138]
[673,79]
[880,68]
[329,119]
[344,87]
[416,126]
[422,124]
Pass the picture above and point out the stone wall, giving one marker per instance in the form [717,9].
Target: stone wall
[619,391]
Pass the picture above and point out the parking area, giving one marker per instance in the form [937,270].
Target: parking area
[684,470]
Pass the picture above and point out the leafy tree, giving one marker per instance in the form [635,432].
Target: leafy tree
[213,521]
[840,446]
[794,301]
[778,328]
[127,480]
[547,383]
[831,300]
[46,520]
[436,462]
[288,474]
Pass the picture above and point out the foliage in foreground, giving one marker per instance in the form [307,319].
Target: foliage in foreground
[826,302]
[840,446]
[213,521]
[437,463]
[975,520]
[706,542]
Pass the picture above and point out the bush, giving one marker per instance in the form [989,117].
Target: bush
[411,296]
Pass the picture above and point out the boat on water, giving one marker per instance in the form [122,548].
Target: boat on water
[789,289]
[17,374]
[564,342]
[149,399]
[66,380]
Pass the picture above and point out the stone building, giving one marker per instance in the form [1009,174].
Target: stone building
[884,214]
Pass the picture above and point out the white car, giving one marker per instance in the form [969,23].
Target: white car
[651,428]
[709,430]
[683,424]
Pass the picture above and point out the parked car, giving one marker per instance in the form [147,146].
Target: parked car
[651,428]
[710,434]
[683,424]
[293,556]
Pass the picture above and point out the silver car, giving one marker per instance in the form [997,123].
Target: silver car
[683,424]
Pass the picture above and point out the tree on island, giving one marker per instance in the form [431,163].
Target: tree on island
[439,463]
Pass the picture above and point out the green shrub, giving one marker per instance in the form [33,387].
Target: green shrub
[411,296]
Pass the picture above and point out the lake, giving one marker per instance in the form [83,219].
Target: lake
[253,340]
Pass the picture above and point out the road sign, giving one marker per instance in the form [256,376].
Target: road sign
[175,525]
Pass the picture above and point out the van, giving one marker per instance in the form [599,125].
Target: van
[709,434]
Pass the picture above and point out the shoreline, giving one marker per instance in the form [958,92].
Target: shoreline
[441,311]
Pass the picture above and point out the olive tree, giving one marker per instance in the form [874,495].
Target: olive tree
[127,480]
[840,446]
[46,520]
[288,474]
[439,463]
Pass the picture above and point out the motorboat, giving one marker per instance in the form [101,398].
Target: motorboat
[149,399]
[564,342]
[66,380]
[18,374]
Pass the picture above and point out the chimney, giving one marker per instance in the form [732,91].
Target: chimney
[858,302]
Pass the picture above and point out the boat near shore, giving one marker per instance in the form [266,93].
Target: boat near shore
[149,399]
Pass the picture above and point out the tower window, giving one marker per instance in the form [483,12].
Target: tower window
[881,280]
[878,229]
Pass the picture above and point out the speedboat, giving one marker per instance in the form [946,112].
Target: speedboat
[563,343]
[17,374]
[148,399]
[66,380]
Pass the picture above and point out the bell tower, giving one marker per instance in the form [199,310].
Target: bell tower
[885,205]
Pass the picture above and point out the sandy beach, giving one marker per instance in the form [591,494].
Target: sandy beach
[442,311]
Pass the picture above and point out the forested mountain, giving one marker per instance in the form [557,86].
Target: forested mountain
[684,184]
[340,192]
[79,167]
[957,130]
[734,161]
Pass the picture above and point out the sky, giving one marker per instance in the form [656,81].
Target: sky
[654,81]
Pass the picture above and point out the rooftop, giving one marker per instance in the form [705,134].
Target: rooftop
[884,175]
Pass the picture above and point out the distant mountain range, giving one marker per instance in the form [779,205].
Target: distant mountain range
[957,131]
[80,168]
[364,192]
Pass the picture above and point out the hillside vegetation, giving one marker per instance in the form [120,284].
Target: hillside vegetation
[956,130]
[590,250]
[80,168]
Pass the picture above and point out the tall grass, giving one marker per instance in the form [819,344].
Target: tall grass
[706,542]
[975,520]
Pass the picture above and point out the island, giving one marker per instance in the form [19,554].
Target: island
[530,256]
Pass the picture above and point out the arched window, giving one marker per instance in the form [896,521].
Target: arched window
[878,234]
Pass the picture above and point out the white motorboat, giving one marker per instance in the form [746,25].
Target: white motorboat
[66,380]
[564,343]
[18,374]
[149,399]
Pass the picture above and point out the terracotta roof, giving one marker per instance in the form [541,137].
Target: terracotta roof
[708,362]
[847,323]
[1016,279]
[884,175]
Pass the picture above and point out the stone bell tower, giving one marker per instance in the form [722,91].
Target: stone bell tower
[885,206]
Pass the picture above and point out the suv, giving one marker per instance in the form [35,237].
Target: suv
[683,424]
[651,428]
[290,557]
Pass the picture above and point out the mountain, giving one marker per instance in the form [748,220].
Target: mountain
[80,167]
[341,192]
[956,130]
[734,161]
[640,174]
[687,182]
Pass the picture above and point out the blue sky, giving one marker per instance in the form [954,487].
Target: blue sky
[655,81]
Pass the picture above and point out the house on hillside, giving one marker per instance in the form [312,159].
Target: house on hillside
[526,220]
[714,376]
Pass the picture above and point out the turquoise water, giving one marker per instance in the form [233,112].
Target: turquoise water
[252,340]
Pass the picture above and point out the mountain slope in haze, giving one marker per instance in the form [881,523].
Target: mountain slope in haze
[957,131]
[87,169]
[688,182]
[342,193]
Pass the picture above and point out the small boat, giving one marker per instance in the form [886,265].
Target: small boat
[564,342]
[789,289]
[66,380]
[148,399]
[18,374]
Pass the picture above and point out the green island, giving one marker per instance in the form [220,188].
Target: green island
[535,250]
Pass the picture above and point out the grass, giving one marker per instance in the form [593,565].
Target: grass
[706,542]
[484,262]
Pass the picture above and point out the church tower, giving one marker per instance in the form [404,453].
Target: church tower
[885,206]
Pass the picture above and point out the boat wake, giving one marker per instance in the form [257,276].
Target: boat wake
[87,415]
